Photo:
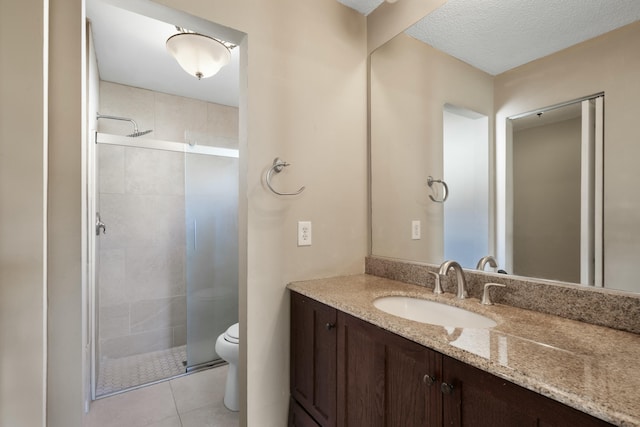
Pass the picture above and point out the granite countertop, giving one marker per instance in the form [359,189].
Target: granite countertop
[591,368]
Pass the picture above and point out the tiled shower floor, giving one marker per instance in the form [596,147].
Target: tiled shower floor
[127,372]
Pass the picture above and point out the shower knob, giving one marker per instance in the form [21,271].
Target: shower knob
[100,225]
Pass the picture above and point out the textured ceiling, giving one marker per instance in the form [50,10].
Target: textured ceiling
[365,7]
[498,35]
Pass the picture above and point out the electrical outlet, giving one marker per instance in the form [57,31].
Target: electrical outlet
[415,230]
[304,233]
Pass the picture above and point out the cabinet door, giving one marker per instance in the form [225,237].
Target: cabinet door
[477,398]
[313,358]
[298,417]
[360,374]
[412,383]
[381,378]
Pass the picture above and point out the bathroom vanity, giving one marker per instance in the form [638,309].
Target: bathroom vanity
[354,365]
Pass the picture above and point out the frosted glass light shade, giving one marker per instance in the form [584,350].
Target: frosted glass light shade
[198,55]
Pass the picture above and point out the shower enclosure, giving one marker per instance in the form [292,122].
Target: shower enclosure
[166,256]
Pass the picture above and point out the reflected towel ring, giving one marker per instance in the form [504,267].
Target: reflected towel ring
[445,189]
[277,167]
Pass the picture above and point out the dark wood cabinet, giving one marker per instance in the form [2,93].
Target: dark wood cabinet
[384,379]
[298,417]
[361,363]
[349,373]
[477,398]
[313,358]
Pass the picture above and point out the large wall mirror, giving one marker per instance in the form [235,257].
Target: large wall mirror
[520,128]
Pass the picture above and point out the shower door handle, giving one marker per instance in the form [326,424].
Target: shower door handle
[100,225]
[195,235]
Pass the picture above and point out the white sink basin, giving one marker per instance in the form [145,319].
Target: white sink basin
[432,312]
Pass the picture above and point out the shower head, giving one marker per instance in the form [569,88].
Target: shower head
[139,133]
[135,133]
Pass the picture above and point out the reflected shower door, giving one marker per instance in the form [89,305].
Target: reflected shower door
[211,208]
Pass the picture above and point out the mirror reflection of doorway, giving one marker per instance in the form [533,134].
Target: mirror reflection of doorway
[465,166]
[557,193]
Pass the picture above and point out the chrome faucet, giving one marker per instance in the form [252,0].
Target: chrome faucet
[462,283]
[489,259]
[486,296]
[437,288]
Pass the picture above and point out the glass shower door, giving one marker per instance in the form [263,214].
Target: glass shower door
[211,212]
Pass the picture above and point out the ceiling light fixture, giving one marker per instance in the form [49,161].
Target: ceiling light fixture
[199,55]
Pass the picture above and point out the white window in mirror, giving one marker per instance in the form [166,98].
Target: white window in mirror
[465,167]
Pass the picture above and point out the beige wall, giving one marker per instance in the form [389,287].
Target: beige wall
[546,201]
[22,213]
[410,84]
[390,19]
[306,102]
[67,132]
[606,64]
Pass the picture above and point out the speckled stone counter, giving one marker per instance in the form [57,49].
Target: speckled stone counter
[591,368]
[598,306]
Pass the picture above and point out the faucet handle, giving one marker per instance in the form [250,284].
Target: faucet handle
[437,289]
[486,296]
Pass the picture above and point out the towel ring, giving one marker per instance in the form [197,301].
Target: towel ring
[445,188]
[277,167]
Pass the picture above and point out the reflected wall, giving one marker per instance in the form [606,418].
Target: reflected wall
[546,201]
[608,64]
[410,84]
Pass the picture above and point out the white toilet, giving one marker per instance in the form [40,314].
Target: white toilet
[227,348]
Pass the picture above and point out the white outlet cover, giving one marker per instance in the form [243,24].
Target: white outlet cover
[304,233]
[415,230]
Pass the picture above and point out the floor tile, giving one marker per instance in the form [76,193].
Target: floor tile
[200,389]
[126,372]
[210,416]
[173,421]
[147,406]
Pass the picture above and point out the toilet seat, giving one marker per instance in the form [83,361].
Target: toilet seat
[232,335]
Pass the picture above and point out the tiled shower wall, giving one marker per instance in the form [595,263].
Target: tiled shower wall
[141,265]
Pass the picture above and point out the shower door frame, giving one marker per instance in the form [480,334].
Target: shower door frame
[92,190]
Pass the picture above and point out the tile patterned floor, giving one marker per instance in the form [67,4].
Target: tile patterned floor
[126,372]
[194,400]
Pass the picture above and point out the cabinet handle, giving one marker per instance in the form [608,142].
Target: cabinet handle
[428,380]
[446,388]
[330,326]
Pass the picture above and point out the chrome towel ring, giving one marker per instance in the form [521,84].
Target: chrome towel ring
[277,167]
[445,189]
